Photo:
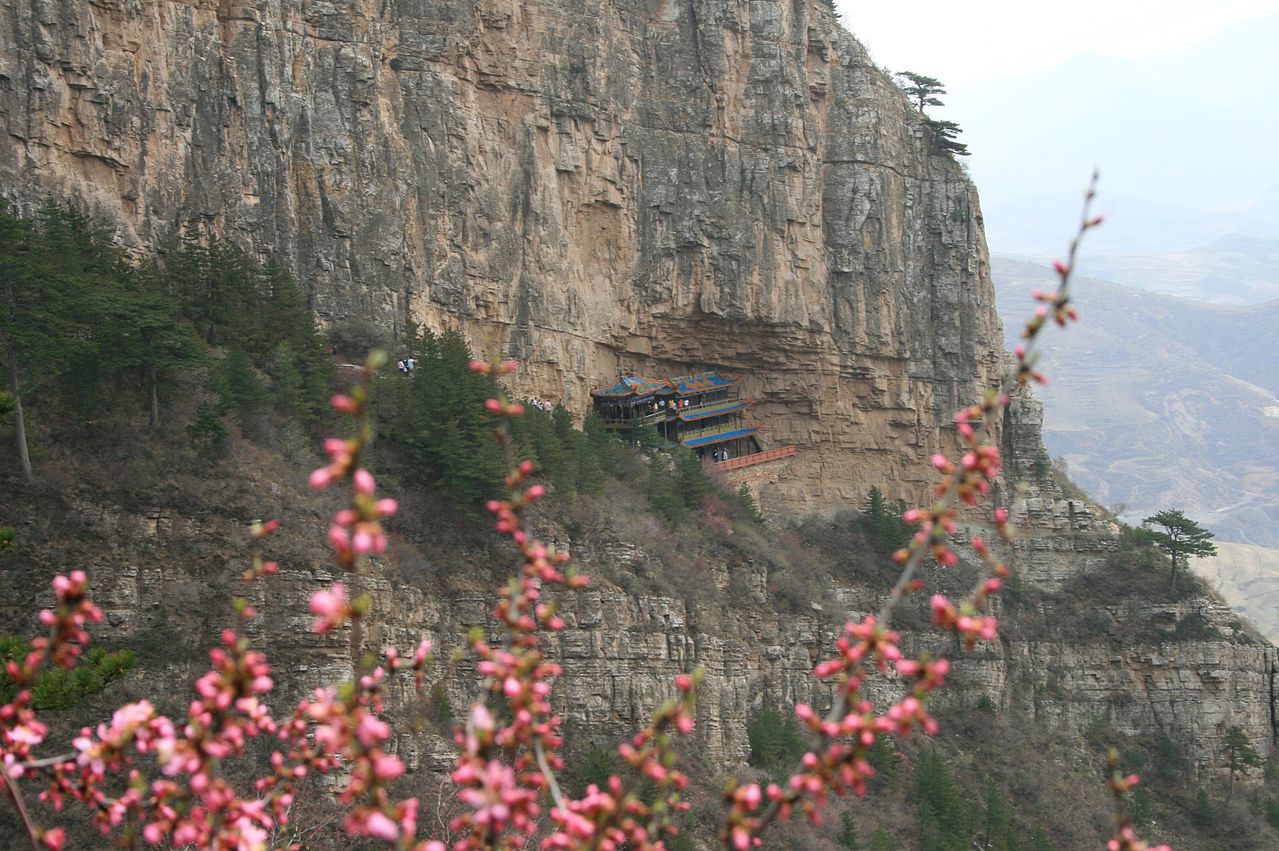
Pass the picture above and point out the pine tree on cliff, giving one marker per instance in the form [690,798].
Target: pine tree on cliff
[1179,536]
[924,91]
[1240,754]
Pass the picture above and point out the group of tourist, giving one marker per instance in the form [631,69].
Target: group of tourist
[406,365]
[545,407]
[719,453]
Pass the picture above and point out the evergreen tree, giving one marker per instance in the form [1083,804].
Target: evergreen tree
[776,742]
[232,301]
[237,383]
[296,347]
[145,335]
[444,433]
[46,293]
[612,454]
[1240,754]
[588,473]
[749,506]
[945,137]
[663,489]
[883,520]
[692,481]
[1178,535]
[999,832]
[547,447]
[945,820]
[886,761]
[921,88]
[848,832]
[1203,814]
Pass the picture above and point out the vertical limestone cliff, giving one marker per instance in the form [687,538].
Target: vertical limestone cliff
[583,186]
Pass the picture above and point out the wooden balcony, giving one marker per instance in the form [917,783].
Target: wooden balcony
[752,459]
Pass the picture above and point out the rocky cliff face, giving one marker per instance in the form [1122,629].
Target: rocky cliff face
[1123,666]
[582,186]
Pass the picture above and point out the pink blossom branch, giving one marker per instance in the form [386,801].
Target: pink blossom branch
[843,767]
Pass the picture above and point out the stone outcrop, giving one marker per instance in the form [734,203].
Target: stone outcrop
[585,187]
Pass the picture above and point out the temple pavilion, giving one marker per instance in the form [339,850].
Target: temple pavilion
[702,411]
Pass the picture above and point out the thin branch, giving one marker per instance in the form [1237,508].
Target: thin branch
[14,793]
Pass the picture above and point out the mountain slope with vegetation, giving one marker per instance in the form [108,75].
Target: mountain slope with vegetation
[1156,402]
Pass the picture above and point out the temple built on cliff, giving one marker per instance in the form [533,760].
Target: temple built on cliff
[702,411]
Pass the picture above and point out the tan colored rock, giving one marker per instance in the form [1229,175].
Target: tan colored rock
[721,183]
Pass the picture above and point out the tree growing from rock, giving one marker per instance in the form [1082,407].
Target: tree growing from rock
[1240,754]
[1179,537]
[923,90]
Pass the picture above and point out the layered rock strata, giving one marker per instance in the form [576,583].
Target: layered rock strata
[1123,666]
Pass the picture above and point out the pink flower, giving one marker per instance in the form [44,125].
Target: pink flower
[322,478]
[330,607]
[379,826]
[372,731]
[387,767]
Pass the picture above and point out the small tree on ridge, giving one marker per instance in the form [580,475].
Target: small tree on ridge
[922,89]
[1178,535]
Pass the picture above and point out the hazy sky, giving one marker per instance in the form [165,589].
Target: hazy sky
[1181,131]
[960,42]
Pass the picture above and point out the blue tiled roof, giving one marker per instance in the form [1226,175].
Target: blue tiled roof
[718,438]
[633,385]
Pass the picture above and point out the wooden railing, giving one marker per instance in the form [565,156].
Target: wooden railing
[670,412]
[706,406]
[634,422]
[698,433]
[752,459]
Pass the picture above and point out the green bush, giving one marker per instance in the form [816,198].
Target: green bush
[946,820]
[65,688]
[1272,812]
[776,741]
[1194,627]
[591,767]
[883,521]
[882,840]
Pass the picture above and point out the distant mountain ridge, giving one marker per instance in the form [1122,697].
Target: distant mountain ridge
[1158,402]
